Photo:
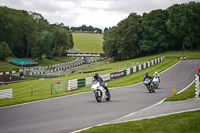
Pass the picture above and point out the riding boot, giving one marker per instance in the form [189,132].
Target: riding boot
[106,88]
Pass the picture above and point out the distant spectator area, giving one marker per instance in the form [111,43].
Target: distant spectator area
[23,62]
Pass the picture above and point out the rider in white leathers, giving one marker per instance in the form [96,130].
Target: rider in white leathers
[156,75]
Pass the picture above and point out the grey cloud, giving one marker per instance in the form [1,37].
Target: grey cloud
[78,12]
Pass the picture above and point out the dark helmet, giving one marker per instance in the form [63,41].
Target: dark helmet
[96,75]
[146,74]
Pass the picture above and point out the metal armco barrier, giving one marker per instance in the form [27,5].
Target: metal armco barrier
[77,83]
[197,86]
[8,93]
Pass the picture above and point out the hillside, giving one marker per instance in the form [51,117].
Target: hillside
[88,42]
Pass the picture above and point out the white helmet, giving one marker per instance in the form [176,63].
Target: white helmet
[156,73]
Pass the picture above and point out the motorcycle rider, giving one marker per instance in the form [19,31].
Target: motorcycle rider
[198,72]
[147,76]
[156,75]
[100,79]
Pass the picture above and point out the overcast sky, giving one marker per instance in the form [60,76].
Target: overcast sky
[97,13]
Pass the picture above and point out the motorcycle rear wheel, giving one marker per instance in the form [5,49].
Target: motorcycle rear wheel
[109,96]
[153,89]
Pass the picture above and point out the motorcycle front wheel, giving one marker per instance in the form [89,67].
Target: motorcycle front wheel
[149,88]
[98,96]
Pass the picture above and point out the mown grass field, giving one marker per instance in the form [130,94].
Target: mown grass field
[188,122]
[88,42]
[22,91]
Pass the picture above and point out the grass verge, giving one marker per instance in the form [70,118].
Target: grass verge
[187,94]
[22,91]
[187,122]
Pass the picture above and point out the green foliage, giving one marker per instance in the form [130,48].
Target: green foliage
[121,42]
[187,122]
[21,91]
[29,35]
[88,29]
[183,23]
[155,37]
[189,93]
[176,28]
[4,51]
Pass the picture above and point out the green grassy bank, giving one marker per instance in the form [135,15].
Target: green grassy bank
[22,91]
[188,122]
[88,42]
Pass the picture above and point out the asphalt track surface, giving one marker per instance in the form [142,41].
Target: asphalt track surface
[70,113]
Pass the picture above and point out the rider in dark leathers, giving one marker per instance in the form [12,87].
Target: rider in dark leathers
[99,79]
[147,76]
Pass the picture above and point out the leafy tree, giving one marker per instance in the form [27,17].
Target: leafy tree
[129,31]
[110,43]
[4,51]
[85,28]
[184,23]
[155,37]
[45,42]
[26,32]
[36,53]
[105,29]
[122,41]
[62,40]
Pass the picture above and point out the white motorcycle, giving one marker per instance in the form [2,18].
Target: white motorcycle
[155,82]
[100,92]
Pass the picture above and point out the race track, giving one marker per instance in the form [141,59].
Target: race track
[70,113]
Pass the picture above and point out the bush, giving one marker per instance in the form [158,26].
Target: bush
[4,50]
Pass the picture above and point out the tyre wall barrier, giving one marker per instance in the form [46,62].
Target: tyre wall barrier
[106,77]
[81,82]
[88,81]
[43,70]
[77,83]
[7,93]
[72,84]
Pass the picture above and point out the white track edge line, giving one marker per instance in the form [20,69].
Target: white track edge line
[150,117]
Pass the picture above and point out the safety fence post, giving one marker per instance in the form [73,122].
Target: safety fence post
[31,90]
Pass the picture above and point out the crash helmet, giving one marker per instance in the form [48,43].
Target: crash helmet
[96,75]
[146,74]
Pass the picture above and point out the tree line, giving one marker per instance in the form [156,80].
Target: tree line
[28,35]
[176,28]
[88,29]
